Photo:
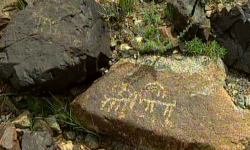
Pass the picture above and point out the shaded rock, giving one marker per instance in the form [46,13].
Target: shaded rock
[32,140]
[8,137]
[232,29]
[164,103]
[42,126]
[23,120]
[91,141]
[182,12]
[53,124]
[69,43]
[70,135]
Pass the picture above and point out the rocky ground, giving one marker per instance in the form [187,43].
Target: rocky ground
[47,118]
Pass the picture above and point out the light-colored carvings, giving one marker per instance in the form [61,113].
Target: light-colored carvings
[127,97]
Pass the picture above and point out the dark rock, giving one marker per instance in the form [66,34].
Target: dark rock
[186,12]
[8,137]
[54,47]
[164,103]
[232,29]
[32,140]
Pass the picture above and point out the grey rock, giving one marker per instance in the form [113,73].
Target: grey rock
[69,44]
[32,140]
[42,126]
[53,124]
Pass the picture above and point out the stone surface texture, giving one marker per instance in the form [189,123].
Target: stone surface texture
[23,120]
[231,28]
[54,47]
[32,140]
[165,103]
[185,11]
[8,137]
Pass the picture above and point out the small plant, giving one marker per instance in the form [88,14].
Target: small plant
[151,47]
[118,10]
[21,4]
[211,49]
[64,117]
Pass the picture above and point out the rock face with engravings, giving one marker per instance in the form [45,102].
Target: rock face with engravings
[54,47]
[165,103]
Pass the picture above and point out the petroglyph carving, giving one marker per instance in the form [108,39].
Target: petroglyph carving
[127,97]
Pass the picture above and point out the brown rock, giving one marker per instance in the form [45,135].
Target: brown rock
[8,137]
[164,103]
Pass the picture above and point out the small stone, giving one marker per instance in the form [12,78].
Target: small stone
[220,6]
[91,141]
[175,52]
[139,39]
[209,13]
[139,22]
[53,124]
[228,7]
[23,120]
[41,125]
[124,47]
[5,118]
[70,135]
[68,145]
[235,92]
[113,43]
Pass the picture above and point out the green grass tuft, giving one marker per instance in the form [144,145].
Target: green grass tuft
[211,49]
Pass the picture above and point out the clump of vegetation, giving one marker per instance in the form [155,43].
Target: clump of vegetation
[64,116]
[211,49]
[21,4]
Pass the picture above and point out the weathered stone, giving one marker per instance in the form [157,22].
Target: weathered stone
[53,124]
[68,145]
[164,103]
[232,29]
[42,126]
[23,120]
[8,137]
[182,13]
[32,140]
[70,45]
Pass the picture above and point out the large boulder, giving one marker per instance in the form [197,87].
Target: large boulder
[189,18]
[231,28]
[164,103]
[54,45]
